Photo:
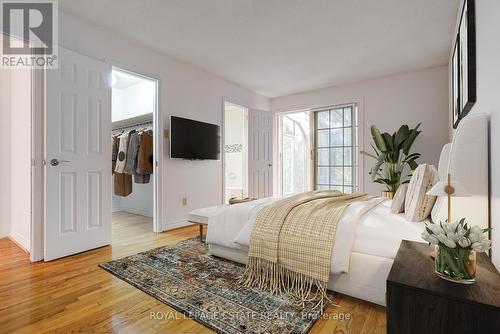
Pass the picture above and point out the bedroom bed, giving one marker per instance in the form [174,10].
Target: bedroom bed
[360,273]
[368,234]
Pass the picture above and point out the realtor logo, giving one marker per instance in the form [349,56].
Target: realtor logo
[29,30]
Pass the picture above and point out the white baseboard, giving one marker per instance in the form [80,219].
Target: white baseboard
[20,240]
[136,211]
[175,224]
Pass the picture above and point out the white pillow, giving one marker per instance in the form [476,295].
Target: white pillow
[398,202]
[418,205]
[439,211]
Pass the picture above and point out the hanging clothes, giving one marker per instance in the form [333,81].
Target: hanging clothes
[123,184]
[132,150]
[122,152]
[142,178]
[115,139]
[145,155]
[132,155]
[144,158]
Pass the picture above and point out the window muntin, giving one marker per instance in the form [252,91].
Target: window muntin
[336,149]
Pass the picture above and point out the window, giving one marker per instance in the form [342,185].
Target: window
[336,149]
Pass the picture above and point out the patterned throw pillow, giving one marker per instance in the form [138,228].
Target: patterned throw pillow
[418,205]
[398,202]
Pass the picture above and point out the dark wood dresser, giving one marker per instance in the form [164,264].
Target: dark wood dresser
[418,301]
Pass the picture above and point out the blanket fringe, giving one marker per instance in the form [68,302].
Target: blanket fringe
[270,276]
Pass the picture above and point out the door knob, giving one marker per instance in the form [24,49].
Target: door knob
[56,162]
[270,165]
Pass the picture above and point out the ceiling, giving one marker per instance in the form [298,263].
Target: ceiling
[279,47]
[125,80]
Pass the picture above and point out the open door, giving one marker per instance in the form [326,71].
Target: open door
[77,156]
[260,154]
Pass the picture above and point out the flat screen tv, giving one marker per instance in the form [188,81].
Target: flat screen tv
[194,140]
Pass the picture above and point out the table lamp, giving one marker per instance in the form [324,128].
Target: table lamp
[449,189]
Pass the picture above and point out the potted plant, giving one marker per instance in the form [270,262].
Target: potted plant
[456,247]
[392,155]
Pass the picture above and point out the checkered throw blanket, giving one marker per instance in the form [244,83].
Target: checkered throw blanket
[292,242]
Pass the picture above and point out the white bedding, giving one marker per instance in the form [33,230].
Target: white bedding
[365,227]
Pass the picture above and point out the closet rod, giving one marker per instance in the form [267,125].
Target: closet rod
[131,126]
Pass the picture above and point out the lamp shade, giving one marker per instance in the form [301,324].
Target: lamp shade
[439,189]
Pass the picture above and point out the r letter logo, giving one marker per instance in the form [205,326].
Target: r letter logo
[29,34]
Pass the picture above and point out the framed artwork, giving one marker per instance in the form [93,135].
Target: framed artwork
[455,89]
[464,62]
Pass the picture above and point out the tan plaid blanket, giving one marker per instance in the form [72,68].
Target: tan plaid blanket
[292,242]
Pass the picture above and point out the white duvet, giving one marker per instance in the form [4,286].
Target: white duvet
[365,227]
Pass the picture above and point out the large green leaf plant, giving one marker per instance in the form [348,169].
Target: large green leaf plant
[392,155]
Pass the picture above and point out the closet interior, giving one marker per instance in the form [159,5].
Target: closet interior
[133,109]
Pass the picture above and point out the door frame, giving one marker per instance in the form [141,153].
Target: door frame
[38,153]
[157,145]
[37,164]
[223,143]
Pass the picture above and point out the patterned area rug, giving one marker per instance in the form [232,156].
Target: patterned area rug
[206,289]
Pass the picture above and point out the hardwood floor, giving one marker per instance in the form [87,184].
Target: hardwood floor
[73,295]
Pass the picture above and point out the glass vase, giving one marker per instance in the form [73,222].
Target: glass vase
[456,264]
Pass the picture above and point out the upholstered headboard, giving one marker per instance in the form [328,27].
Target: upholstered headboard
[466,158]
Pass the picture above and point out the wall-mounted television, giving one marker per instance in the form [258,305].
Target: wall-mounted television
[193,140]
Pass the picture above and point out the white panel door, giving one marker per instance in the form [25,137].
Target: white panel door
[260,154]
[77,155]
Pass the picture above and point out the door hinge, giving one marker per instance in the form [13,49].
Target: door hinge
[33,162]
[44,162]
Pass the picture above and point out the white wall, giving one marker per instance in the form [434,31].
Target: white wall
[140,201]
[184,90]
[488,101]
[15,153]
[20,160]
[135,100]
[389,102]
[5,152]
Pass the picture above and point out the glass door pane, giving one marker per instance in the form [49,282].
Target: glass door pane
[335,148]
[295,161]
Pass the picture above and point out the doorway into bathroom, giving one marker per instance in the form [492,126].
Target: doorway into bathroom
[235,151]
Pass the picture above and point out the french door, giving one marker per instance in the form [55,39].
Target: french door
[294,143]
[336,148]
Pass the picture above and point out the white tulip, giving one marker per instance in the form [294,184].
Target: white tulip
[476,229]
[437,229]
[441,237]
[464,242]
[461,232]
[425,235]
[474,237]
[433,240]
[478,247]
[486,244]
[452,235]
[449,243]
